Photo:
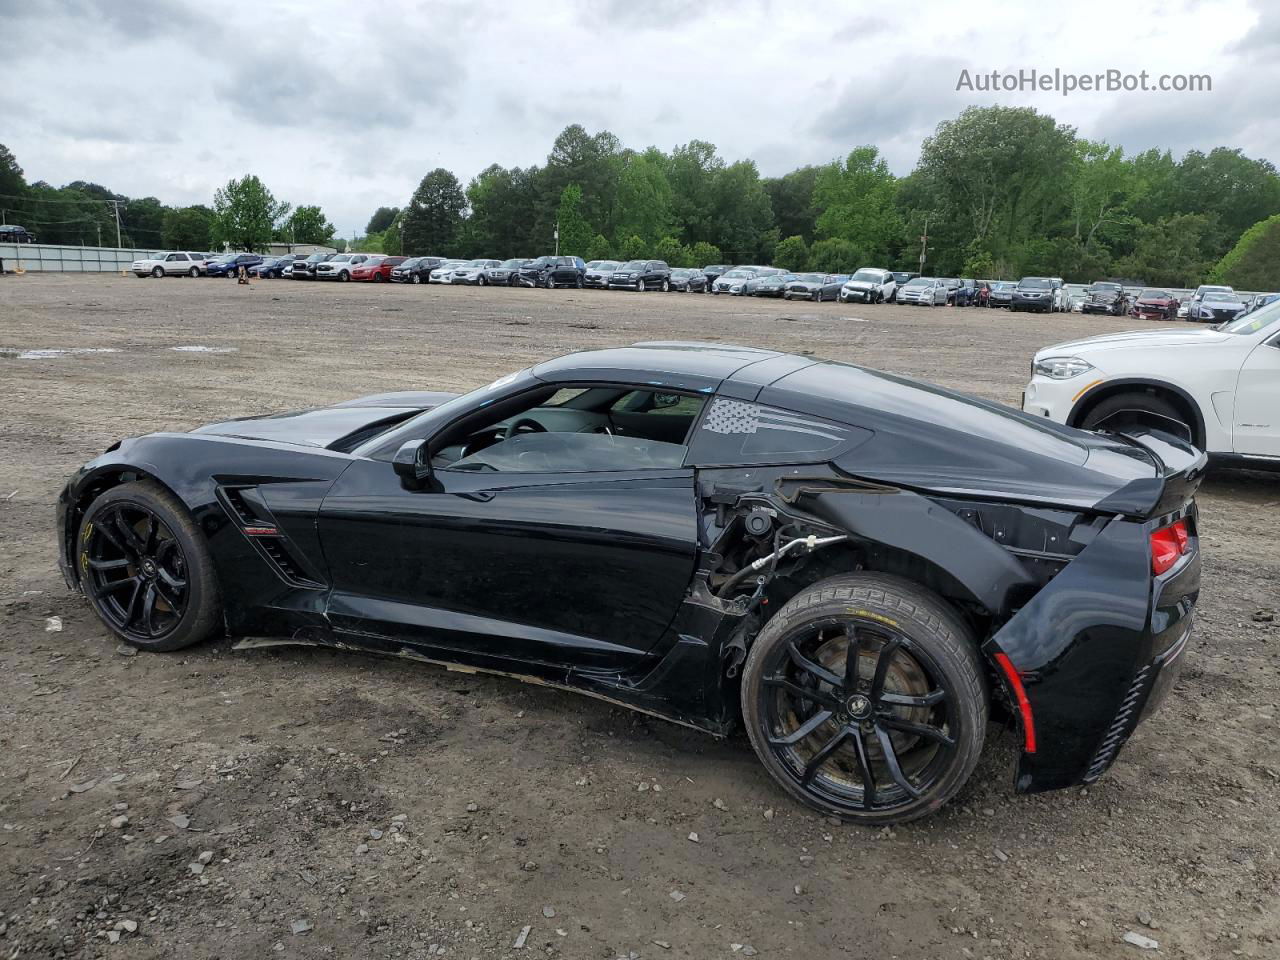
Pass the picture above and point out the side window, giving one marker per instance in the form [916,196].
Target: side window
[736,432]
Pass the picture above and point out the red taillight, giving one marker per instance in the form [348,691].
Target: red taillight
[1168,544]
[1024,705]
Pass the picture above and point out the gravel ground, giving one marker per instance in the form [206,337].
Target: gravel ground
[306,803]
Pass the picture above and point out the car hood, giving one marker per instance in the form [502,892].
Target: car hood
[1143,339]
[338,427]
[863,284]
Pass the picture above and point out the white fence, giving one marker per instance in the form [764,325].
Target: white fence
[49,258]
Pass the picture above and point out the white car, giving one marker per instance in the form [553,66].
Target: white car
[731,281]
[473,271]
[1217,387]
[927,291]
[444,272]
[170,265]
[340,267]
[869,285]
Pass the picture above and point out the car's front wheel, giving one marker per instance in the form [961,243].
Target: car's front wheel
[157,272]
[864,697]
[415,278]
[550,282]
[146,570]
[344,276]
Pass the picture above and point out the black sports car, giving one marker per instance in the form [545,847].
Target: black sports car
[859,567]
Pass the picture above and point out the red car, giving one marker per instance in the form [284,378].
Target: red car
[1155,305]
[377,269]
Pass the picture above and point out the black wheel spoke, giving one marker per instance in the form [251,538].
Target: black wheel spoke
[802,731]
[133,544]
[807,693]
[153,529]
[808,666]
[112,586]
[864,769]
[930,699]
[917,729]
[818,759]
[891,761]
[170,598]
[885,658]
[103,529]
[109,564]
[149,609]
[852,657]
[130,611]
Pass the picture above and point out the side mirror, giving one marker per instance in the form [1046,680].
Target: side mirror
[412,464]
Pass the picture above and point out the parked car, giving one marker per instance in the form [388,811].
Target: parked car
[507,273]
[443,272]
[473,272]
[15,233]
[952,284]
[815,286]
[923,292]
[304,268]
[869,285]
[688,280]
[598,275]
[557,271]
[415,269]
[1262,299]
[229,266]
[1033,294]
[714,272]
[1216,306]
[770,285]
[376,269]
[733,281]
[179,264]
[1152,304]
[272,267]
[641,275]
[1193,305]
[1001,293]
[1063,302]
[903,277]
[340,266]
[966,294]
[999,565]
[1104,296]
[1218,388]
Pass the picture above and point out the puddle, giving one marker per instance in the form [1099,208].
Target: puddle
[200,349]
[10,354]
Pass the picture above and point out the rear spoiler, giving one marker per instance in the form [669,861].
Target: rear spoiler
[1179,467]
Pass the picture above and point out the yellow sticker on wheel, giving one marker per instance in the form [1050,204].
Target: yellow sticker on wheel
[854,611]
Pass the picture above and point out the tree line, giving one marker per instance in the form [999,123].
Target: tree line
[997,192]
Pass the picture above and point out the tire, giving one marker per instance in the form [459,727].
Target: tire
[481,281]
[1137,407]
[193,272]
[666,286]
[577,283]
[344,276]
[639,285]
[550,282]
[415,278]
[157,272]
[932,656]
[179,549]
[377,278]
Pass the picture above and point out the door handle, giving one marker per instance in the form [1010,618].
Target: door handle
[479,496]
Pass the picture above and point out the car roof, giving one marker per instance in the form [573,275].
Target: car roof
[673,364]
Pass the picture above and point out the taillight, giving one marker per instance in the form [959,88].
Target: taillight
[1168,544]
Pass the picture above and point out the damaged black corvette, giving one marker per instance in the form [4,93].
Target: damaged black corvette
[859,568]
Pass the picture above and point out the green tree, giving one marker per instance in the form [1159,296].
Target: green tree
[791,253]
[859,200]
[834,256]
[796,207]
[1102,185]
[703,254]
[1254,262]
[575,232]
[188,228]
[633,248]
[432,222]
[308,225]
[1170,252]
[598,249]
[142,222]
[382,218]
[245,214]
[645,198]
[12,182]
[741,217]
[672,252]
[504,205]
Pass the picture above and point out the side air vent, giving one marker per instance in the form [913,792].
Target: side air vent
[248,509]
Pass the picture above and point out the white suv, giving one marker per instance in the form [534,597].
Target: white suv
[869,285]
[340,267]
[170,265]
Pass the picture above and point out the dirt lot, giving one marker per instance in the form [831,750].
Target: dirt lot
[404,811]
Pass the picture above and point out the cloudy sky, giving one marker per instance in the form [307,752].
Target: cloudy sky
[348,105]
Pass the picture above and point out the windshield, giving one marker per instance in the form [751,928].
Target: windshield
[341,258]
[1155,295]
[605,266]
[1108,285]
[871,276]
[810,278]
[1263,318]
[920,282]
[318,257]
[738,275]
[512,264]
[1216,297]
[1002,285]
[1033,283]
[632,265]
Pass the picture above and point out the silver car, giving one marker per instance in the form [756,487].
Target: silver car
[924,291]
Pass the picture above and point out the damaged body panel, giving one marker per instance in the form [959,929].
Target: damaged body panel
[855,566]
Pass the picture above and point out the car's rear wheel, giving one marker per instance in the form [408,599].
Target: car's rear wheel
[157,271]
[864,697]
[1138,409]
[146,570]
[193,272]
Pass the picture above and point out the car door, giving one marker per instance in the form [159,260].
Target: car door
[172,266]
[1257,426]
[548,562]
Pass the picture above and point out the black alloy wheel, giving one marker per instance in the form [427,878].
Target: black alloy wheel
[145,568]
[865,699]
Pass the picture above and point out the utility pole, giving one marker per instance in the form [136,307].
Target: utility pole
[115,205]
[924,243]
[557,235]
